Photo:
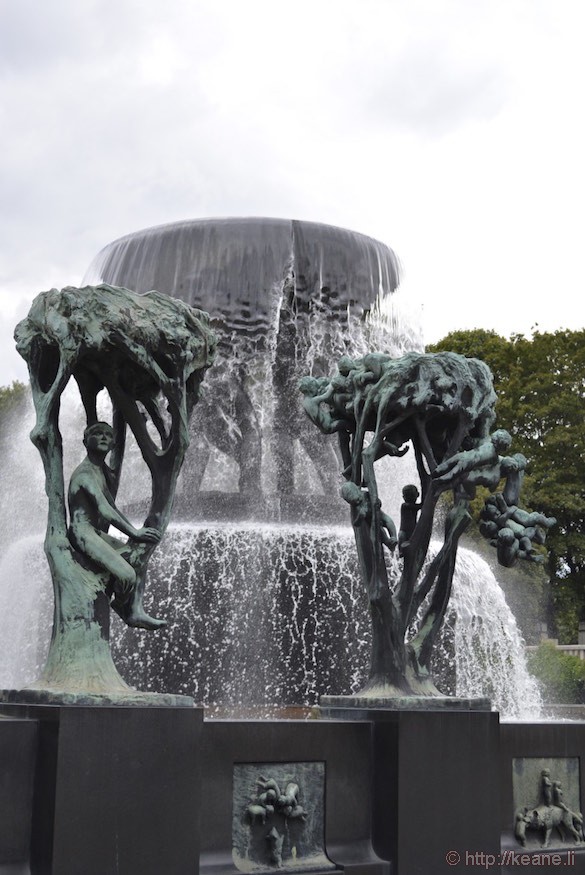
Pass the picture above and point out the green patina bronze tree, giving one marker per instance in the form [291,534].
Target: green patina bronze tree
[443,406]
[149,352]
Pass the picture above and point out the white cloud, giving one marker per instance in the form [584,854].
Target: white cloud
[451,131]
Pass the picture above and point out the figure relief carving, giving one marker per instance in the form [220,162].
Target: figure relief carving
[550,815]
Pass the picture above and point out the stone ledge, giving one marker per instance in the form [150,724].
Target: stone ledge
[134,699]
[336,704]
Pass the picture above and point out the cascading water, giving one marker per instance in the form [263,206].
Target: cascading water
[481,632]
[270,615]
[286,298]
[272,611]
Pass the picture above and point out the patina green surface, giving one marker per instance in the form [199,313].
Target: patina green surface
[442,405]
[150,353]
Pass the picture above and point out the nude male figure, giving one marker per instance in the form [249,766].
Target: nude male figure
[479,466]
[92,511]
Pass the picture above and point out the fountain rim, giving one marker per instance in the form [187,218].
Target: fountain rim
[226,220]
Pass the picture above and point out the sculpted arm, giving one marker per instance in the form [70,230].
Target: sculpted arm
[318,392]
[85,489]
[117,519]
[463,462]
[388,531]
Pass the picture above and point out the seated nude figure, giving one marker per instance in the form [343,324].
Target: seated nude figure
[92,511]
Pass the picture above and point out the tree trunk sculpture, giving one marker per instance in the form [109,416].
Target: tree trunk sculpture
[443,406]
[150,353]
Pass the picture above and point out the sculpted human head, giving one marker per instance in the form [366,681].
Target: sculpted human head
[98,436]
[410,493]
[501,440]
[353,494]
[345,365]
[312,386]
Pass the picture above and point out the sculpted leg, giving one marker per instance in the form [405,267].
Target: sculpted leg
[133,613]
[108,553]
[100,549]
[130,608]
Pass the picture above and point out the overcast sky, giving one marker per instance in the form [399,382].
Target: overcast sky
[452,130]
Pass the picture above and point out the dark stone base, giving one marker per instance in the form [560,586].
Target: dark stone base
[133,698]
[116,790]
[18,754]
[144,791]
[364,707]
[343,751]
[434,792]
[554,742]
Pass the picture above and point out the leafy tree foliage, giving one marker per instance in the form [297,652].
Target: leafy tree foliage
[540,383]
[13,403]
[561,676]
[11,397]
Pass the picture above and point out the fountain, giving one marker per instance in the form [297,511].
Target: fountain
[119,790]
[286,298]
[287,635]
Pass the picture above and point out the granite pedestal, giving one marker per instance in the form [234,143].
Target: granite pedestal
[433,793]
[116,790]
[18,757]
[145,791]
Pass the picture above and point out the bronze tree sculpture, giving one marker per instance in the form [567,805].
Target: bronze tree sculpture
[443,406]
[149,353]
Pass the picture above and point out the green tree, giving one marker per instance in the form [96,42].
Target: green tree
[561,676]
[540,383]
[11,397]
[13,403]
